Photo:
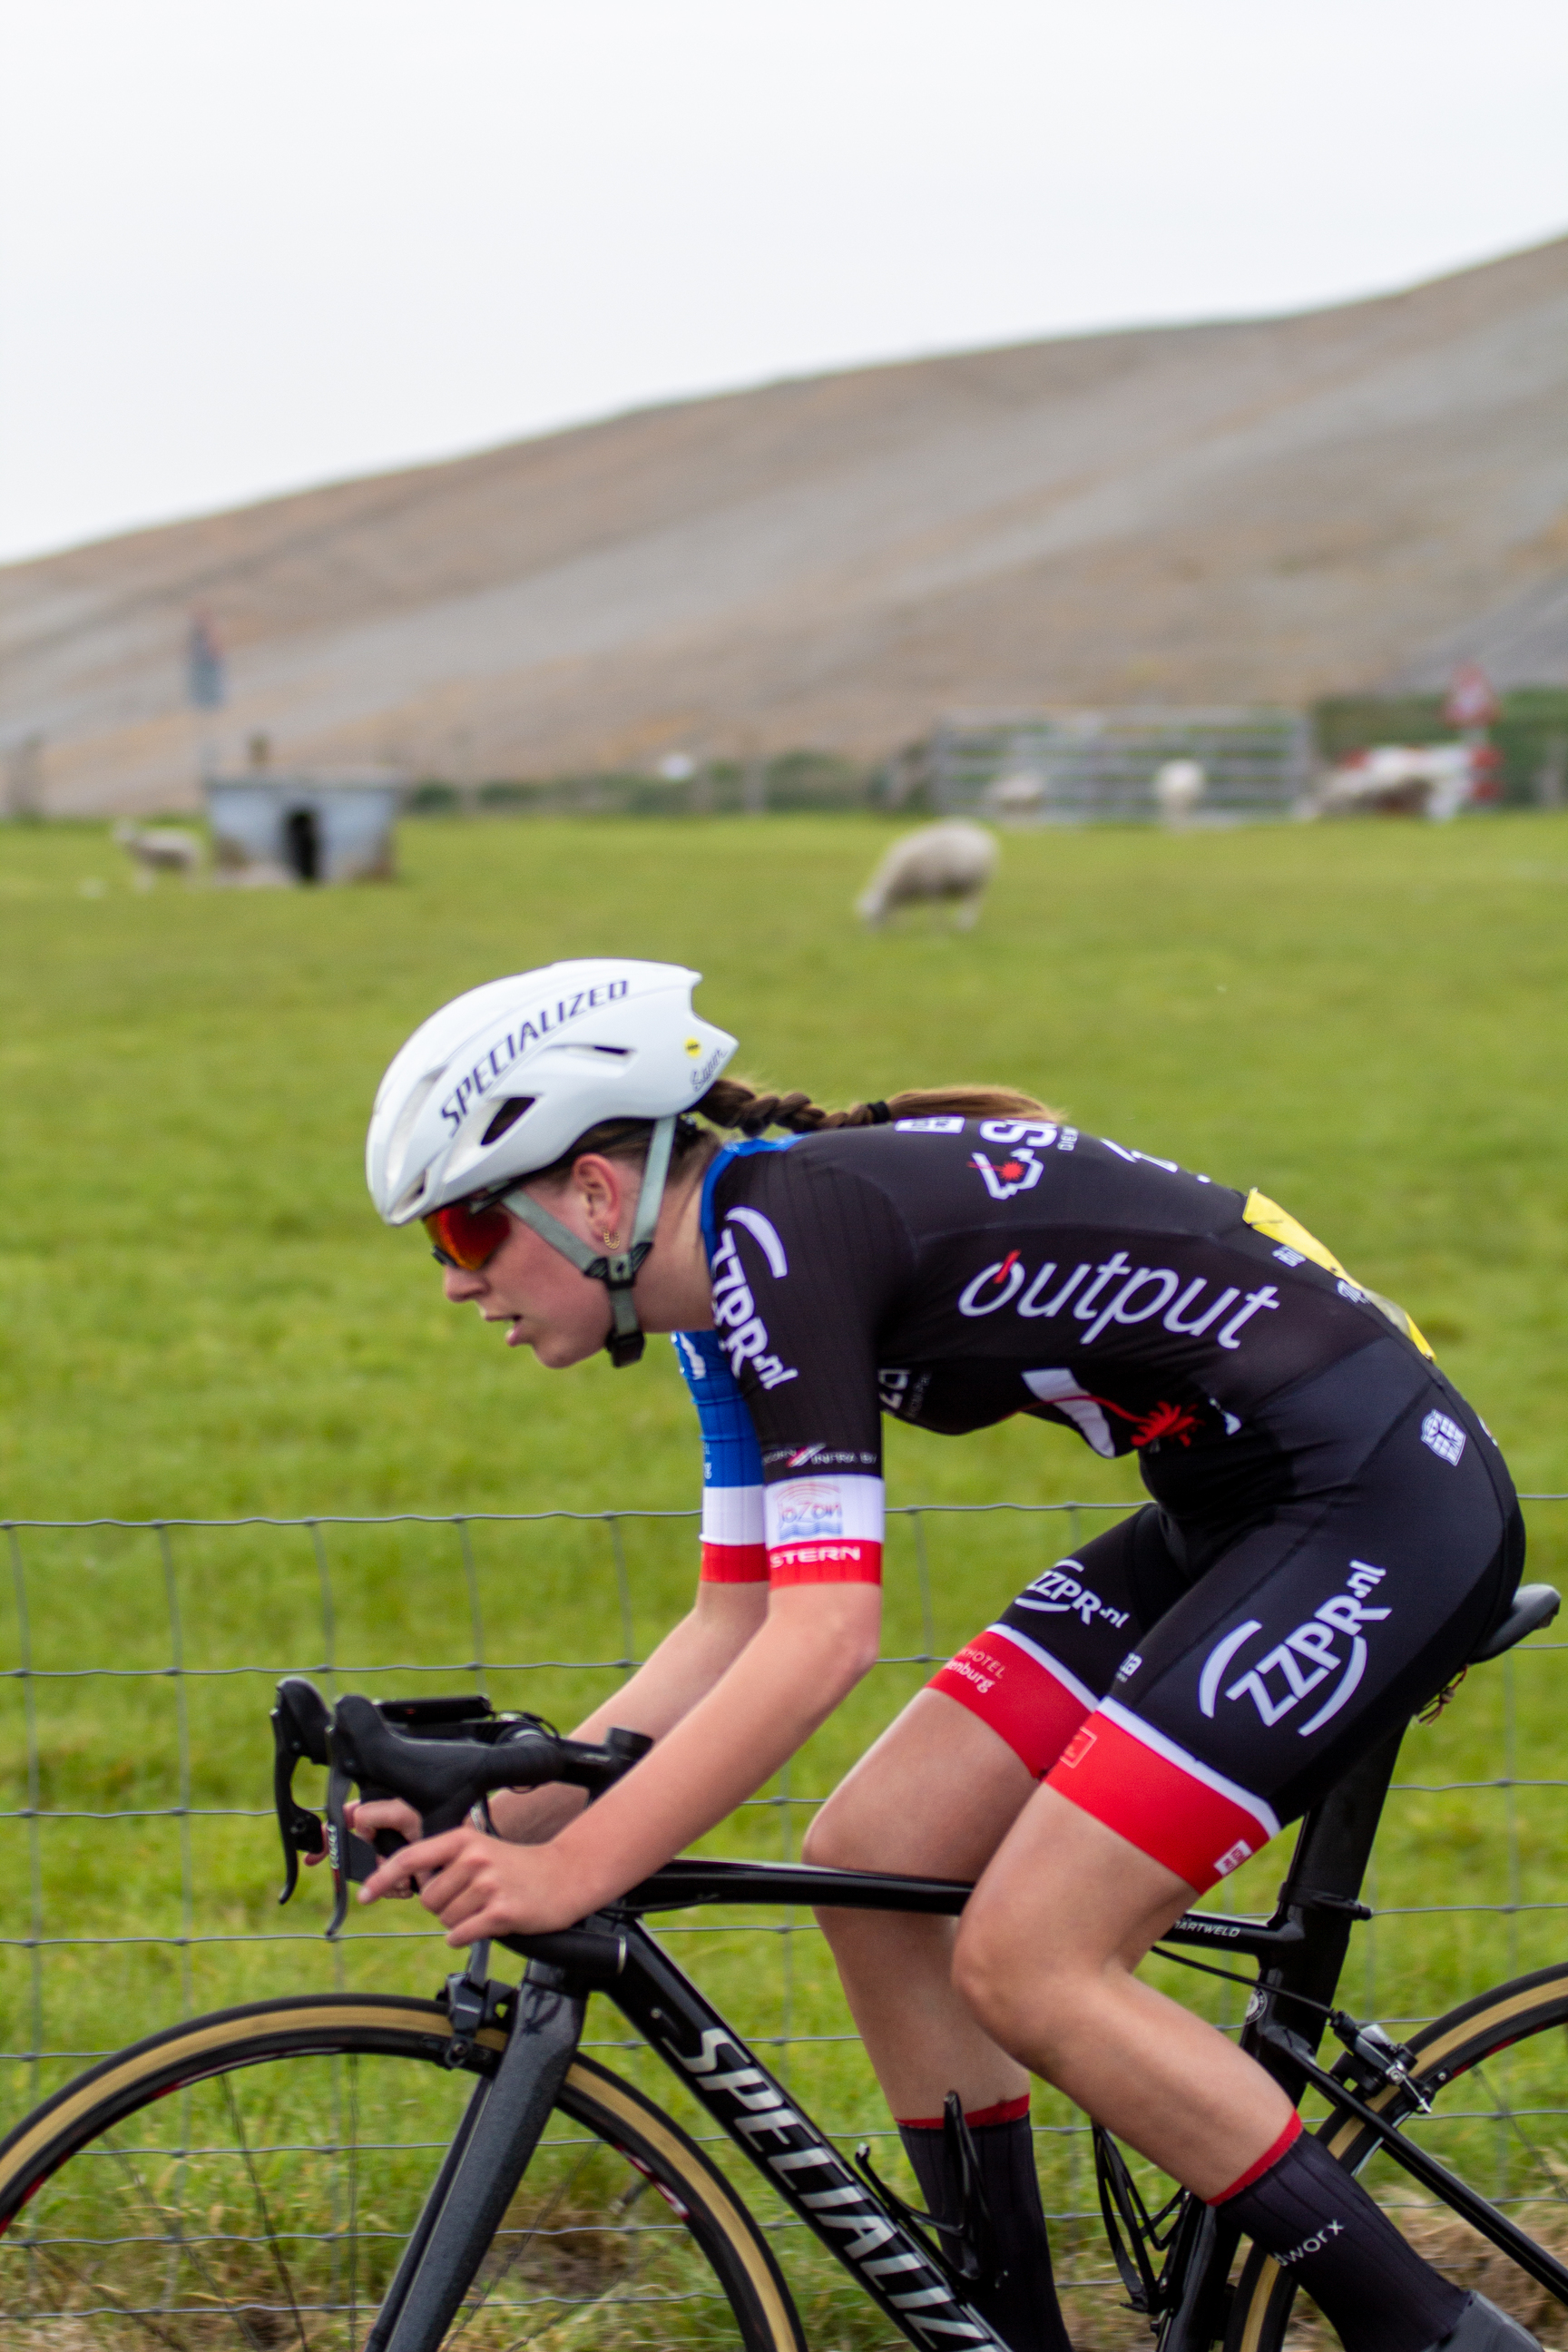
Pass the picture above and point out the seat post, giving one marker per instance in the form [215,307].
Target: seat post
[1319,1894]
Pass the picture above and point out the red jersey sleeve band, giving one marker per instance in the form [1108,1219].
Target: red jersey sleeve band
[844,1560]
[1171,1806]
[734,1563]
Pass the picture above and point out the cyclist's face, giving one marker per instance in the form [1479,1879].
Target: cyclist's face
[546,1303]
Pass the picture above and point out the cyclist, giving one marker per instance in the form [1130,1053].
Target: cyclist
[1331,1533]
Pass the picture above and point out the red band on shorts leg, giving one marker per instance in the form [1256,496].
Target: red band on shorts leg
[1170,1805]
[1032,1704]
[1270,2158]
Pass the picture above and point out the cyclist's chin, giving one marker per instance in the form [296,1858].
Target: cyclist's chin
[556,1349]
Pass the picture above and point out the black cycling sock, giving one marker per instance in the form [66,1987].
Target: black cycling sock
[1325,2232]
[1022,2306]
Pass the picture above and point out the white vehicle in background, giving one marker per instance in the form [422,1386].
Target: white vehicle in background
[1434,780]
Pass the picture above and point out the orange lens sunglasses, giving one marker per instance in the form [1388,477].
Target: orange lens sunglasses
[466,1237]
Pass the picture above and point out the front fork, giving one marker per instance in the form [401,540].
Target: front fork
[481,2171]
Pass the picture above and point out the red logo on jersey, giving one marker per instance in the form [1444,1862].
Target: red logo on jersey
[1020,1173]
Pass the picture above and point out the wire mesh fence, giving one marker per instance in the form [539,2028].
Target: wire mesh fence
[1087,767]
[136,1667]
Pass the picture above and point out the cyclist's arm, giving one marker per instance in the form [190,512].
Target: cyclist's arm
[803,1351]
[731,1603]
[818,1641]
[731,1597]
[692,1657]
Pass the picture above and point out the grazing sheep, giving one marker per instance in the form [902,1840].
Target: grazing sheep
[1179,786]
[159,850]
[954,861]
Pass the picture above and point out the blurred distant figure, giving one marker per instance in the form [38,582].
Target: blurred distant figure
[953,862]
[159,850]
[206,688]
[1179,786]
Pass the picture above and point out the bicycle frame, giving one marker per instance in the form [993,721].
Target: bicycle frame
[1300,1950]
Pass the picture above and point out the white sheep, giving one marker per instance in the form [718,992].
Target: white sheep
[953,861]
[159,850]
[1017,797]
[1179,786]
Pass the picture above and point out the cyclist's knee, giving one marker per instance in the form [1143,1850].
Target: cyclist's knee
[999,1975]
[840,1838]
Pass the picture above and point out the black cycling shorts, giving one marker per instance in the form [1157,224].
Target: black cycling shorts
[1196,1686]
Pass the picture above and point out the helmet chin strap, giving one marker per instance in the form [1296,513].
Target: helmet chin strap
[619,1271]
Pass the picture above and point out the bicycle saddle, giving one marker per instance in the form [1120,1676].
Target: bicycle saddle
[1533,1606]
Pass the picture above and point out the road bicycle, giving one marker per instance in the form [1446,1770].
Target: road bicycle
[363,2169]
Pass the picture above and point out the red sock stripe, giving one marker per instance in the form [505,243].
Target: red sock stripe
[1005,2111]
[1266,2162]
[1148,1798]
[1017,1697]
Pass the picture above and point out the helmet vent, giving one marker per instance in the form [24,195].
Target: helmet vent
[508,1115]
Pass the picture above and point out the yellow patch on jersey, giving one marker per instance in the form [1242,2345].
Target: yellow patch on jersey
[1266,1216]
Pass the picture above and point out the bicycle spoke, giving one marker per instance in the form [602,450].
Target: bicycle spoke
[354,2198]
[274,2248]
[538,2228]
[1548,2164]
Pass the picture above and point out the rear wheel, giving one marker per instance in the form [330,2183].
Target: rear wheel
[248,2180]
[1496,2073]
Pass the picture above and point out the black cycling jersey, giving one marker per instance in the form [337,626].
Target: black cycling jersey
[952,1272]
[1335,1529]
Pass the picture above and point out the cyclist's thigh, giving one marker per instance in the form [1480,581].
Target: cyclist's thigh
[1320,1629]
[1034,1674]
[933,1798]
[943,1785]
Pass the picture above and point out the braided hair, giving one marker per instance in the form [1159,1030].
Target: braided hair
[731,1104]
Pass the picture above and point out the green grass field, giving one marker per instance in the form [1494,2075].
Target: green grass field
[203,1318]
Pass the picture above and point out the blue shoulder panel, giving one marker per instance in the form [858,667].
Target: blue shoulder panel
[731,1454]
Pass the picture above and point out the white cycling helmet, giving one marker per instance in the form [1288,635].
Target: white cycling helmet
[500,1083]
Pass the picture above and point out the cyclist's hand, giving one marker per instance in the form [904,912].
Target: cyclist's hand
[367,1817]
[479,1885]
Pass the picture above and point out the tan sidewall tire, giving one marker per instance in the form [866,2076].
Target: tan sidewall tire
[1447,2049]
[723,2228]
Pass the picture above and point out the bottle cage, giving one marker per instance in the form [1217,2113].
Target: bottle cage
[619,1271]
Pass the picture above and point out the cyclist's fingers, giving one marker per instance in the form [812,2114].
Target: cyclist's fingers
[468,1882]
[402,1871]
[366,1816]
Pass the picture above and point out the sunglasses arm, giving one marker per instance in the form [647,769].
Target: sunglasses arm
[618,1271]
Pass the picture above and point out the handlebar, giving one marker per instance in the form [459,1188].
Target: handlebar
[442,1756]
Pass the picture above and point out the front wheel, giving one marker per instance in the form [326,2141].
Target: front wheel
[1496,2073]
[249,2179]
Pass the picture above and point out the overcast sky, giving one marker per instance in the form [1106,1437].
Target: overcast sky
[247,244]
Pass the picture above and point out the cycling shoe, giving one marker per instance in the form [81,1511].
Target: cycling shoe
[1485,2328]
